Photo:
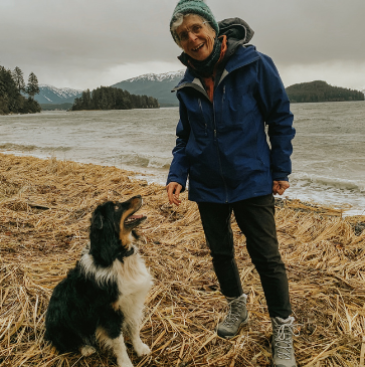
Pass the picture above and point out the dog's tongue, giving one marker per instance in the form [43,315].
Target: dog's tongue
[135,216]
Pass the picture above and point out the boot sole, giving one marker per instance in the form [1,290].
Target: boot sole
[244,322]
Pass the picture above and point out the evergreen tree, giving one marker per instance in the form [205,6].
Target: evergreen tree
[11,101]
[8,91]
[320,91]
[109,98]
[18,79]
[32,87]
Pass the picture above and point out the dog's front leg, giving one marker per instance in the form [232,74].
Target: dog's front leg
[120,352]
[140,347]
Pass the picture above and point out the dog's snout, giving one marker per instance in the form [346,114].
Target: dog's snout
[136,201]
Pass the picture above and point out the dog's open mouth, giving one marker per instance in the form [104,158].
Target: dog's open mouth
[134,220]
[128,209]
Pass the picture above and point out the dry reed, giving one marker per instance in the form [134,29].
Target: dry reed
[45,208]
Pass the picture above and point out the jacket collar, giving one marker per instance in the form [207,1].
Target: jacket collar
[243,56]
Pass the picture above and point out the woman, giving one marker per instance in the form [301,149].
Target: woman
[227,96]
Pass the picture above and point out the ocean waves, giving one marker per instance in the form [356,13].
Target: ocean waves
[305,180]
[340,193]
[328,160]
[143,161]
[19,148]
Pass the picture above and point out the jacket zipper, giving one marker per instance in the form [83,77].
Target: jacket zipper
[205,122]
[219,158]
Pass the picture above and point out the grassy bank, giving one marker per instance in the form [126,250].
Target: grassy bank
[45,209]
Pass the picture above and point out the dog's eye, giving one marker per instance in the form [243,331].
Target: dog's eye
[116,207]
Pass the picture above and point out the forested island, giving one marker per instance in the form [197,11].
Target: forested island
[109,98]
[320,91]
[12,88]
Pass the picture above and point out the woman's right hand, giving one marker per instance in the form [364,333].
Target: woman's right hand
[173,190]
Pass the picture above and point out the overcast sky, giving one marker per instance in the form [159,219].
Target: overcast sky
[87,43]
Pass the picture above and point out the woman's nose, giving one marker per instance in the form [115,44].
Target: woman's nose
[192,36]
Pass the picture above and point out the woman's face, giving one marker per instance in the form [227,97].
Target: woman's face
[196,38]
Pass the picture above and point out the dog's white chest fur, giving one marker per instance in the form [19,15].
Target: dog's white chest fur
[134,282]
[131,275]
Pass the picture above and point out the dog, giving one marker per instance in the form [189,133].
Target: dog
[102,298]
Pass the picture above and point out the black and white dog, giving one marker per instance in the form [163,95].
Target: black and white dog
[103,296]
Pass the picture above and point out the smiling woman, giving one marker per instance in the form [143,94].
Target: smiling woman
[228,93]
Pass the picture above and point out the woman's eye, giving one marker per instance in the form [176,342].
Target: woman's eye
[183,35]
[196,29]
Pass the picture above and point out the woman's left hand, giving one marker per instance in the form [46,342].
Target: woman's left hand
[279,187]
[173,191]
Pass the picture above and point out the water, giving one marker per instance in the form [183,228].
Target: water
[328,159]
[329,154]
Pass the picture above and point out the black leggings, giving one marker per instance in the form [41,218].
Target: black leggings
[255,217]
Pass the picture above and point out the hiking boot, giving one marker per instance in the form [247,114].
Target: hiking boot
[282,342]
[236,317]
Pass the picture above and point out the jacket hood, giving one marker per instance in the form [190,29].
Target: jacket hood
[236,29]
[238,33]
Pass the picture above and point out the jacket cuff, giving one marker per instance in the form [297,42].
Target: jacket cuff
[279,177]
[179,181]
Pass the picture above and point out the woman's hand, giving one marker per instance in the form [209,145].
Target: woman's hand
[173,190]
[279,187]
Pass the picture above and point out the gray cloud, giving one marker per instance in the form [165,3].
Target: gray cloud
[83,43]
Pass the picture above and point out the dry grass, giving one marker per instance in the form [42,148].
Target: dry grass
[45,208]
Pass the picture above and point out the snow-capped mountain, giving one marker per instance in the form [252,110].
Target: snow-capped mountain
[155,85]
[171,75]
[49,94]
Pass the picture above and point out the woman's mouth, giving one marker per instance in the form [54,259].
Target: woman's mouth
[198,47]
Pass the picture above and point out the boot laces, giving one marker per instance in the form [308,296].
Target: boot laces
[234,314]
[283,339]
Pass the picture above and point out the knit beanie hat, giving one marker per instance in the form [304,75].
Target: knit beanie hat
[198,7]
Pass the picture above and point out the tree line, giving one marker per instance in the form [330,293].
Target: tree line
[110,98]
[12,88]
[320,91]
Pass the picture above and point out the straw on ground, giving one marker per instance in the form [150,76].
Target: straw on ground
[45,209]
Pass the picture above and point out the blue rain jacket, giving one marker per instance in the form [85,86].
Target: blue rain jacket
[222,147]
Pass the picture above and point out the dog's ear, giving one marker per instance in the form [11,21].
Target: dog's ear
[97,220]
[104,241]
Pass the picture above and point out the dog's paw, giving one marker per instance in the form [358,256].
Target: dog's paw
[87,350]
[142,349]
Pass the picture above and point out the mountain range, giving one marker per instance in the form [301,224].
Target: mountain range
[156,85]
[52,95]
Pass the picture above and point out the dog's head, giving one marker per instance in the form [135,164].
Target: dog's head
[112,230]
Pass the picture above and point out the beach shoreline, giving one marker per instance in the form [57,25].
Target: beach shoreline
[146,174]
[45,210]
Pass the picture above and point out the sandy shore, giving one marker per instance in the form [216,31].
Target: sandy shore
[45,209]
